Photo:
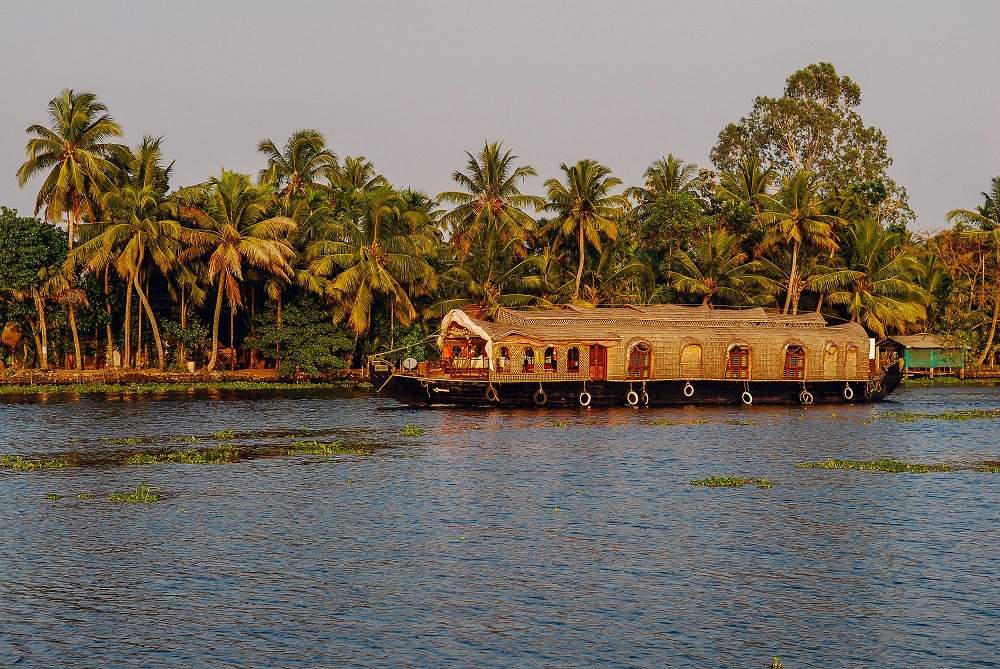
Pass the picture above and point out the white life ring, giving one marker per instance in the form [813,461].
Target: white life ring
[848,392]
[747,397]
[645,398]
[806,397]
[688,389]
[540,397]
[584,399]
[491,394]
[632,398]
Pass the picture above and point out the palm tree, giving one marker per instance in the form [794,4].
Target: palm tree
[357,173]
[987,218]
[491,199]
[668,175]
[748,184]
[299,165]
[233,229]
[718,271]
[75,152]
[138,228]
[795,215]
[372,262]
[878,284]
[585,207]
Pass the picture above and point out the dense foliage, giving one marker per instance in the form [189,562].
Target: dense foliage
[320,261]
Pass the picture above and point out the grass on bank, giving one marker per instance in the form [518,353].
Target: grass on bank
[163,387]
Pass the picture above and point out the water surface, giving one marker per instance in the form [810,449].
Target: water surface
[498,538]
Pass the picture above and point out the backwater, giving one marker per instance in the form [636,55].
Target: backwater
[545,538]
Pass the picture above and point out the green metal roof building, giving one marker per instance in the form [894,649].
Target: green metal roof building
[926,352]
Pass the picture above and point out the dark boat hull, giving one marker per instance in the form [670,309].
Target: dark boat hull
[425,391]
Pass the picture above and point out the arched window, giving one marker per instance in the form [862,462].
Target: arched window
[851,362]
[639,361]
[503,359]
[456,351]
[738,363]
[573,359]
[795,363]
[830,361]
[529,361]
[477,351]
[551,359]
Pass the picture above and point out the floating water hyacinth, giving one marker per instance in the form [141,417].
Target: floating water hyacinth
[223,454]
[731,482]
[141,494]
[18,463]
[412,430]
[893,466]
[320,448]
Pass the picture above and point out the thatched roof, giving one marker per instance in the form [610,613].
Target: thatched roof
[660,314]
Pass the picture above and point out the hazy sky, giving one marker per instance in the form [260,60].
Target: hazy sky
[412,85]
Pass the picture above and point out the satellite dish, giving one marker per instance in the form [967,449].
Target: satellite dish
[410,363]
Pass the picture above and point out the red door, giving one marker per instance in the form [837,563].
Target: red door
[598,362]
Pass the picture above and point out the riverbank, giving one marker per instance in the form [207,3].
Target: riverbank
[151,381]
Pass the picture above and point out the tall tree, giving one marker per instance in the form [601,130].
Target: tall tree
[75,152]
[796,216]
[718,272]
[668,175]
[585,207]
[373,261]
[987,219]
[233,230]
[814,126]
[879,282]
[491,199]
[299,165]
[140,226]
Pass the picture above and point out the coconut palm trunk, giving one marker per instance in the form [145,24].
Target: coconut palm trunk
[579,269]
[993,328]
[791,276]
[152,319]
[43,351]
[107,304]
[215,329]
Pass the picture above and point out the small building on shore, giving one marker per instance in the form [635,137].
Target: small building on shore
[927,354]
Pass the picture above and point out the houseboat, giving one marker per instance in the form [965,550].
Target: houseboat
[643,356]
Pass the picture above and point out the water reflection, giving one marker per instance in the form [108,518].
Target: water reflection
[449,550]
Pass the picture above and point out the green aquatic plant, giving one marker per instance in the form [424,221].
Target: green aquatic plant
[52,496]
[701,421]
[776,663]
[893,466]
[85,495]
[320,448]
[188,439]
[225,434]
[665,421]
[741,422]
[971,414]
[222,454]
[988,469]
[732,482]
[142,493]
[412,430]
[128,441]
[18,463]
[558,423]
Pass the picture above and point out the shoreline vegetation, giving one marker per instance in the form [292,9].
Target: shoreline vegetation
[317,262]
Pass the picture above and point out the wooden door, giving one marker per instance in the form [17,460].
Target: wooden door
[598,362]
